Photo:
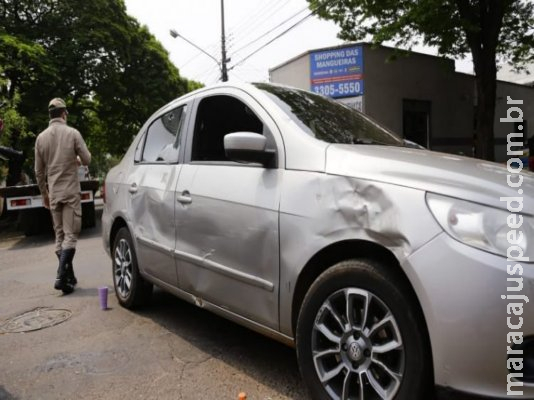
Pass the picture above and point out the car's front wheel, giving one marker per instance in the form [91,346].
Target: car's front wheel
[359,336]
[130,287]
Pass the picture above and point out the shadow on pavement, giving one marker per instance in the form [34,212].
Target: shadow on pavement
[5,395]
[17,241]
[264,359]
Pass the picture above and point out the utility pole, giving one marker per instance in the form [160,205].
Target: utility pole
[222,65]
[224,69]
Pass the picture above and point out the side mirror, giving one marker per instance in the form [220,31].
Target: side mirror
[247,147]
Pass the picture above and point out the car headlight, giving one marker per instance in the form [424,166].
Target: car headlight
[483,227]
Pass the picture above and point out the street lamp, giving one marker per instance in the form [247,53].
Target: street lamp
[224,60]
[175,34]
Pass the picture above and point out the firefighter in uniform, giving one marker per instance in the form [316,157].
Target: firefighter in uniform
[57,149]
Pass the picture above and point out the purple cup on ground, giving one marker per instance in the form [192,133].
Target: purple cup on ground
[103,295]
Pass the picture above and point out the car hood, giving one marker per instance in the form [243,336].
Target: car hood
[456,176]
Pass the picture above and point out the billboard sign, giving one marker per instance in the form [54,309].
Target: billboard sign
[338,72]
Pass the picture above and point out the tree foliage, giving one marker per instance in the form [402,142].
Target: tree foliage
[112,72]
[490,30]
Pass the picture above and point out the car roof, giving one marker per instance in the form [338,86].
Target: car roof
[249,88]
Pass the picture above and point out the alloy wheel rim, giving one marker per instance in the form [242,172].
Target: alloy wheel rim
[357,348]
[123,268]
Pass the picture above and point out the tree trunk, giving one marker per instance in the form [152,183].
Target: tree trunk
[482,24]
[486,87]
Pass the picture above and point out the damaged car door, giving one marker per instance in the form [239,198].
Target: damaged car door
[152,184]
[227,212]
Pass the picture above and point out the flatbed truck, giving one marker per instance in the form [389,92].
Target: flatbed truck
[34,218]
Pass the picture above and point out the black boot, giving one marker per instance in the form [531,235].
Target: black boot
[70,275]
[62,283]
[70,271]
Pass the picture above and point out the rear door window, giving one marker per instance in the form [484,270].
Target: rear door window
[162,143]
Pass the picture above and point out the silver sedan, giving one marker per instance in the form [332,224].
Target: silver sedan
[298,217]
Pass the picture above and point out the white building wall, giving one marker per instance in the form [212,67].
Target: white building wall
[294,73]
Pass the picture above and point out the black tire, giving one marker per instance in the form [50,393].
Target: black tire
[139,291]
[88,215]
[355,347]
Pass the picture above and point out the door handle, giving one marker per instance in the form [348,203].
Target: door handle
[184,198]
[133,188]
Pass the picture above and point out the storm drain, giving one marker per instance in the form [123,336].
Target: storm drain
[34,320]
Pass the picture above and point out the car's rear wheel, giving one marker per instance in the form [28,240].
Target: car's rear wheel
[359,336]
[130,287]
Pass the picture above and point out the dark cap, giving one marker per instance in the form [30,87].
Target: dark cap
[56,104]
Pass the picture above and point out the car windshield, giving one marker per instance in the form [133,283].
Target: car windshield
[328,120]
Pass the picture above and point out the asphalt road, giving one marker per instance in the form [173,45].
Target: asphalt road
[168,350]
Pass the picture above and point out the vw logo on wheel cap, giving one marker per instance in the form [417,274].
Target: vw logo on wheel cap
[355,351]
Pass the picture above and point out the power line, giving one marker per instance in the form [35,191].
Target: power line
[271,30]
[272,40]
[206,72]
[246,21]
[214,79]
[278,4]
[190,60]
[211,48]
[254,27]
[253,19]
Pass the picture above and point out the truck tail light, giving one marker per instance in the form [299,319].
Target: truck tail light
[21,202]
